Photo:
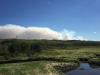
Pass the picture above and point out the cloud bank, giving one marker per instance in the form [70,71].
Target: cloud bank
[11,31]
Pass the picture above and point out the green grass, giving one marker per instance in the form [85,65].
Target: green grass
[45,67]
[70,54]
[29,68]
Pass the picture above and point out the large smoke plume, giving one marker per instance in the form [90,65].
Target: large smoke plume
[11,31]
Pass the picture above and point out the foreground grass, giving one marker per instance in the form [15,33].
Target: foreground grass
[28,68]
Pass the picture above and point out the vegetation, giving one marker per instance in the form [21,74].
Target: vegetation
[26,49]
[29,68]
[44,55]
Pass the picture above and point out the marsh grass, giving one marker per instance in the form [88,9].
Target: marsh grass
[70,55]
[27,68]
[45,67]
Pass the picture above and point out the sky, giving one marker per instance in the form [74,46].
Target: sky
[69,19]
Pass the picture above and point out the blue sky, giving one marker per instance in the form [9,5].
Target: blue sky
[81,16]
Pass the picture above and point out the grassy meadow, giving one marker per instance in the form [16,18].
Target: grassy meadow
[45,55]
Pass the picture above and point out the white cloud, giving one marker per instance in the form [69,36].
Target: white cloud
[70,35]
[16,31]
[20,32]
[95,32]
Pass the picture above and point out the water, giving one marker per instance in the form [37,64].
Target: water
[84,69]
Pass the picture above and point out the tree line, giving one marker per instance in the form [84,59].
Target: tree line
[12,48]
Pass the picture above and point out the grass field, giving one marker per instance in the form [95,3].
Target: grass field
[70,55]
[28,68]
[45,67]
